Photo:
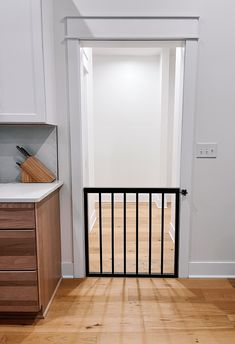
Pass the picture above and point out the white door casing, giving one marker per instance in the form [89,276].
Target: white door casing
[131,28]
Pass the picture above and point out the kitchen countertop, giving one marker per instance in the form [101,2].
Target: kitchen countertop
[27,192]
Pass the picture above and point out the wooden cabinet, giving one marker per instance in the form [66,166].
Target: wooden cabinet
[17,216]
[17,250]
[27,68]
[19,292]
[30,255]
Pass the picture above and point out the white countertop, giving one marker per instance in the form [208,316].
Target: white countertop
[27,192]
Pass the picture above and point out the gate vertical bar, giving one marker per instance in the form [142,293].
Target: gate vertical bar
[177,215]
[137,233]
[150,232]
[112,230]
[124,232]
[162,232]
[86,225]
[100,233]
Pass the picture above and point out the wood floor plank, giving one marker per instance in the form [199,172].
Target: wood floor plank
[133,311]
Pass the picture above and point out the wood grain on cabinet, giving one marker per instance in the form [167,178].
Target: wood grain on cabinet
[19,291]
[17,216]
[48,247]
[17,250]
[30,256]
[16,206]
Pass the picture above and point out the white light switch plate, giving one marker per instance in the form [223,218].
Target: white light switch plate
[206,150]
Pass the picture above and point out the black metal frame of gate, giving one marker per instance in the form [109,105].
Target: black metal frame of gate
[136,191]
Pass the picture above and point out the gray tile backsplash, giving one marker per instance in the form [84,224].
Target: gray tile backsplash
[39,140]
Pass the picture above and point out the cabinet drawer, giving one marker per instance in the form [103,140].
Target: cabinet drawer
[17,250]
[17,216]
[19,292]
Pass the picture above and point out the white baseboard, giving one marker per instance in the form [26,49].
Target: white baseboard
[67,270]
[92,220]
[172,232]
[212,269]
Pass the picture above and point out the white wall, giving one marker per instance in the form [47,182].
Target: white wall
[170,129]
[172,66]
[213,217]
[127,120]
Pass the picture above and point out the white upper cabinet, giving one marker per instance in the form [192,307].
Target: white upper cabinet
[27,75]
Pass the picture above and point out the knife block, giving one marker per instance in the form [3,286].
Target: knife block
[26,178]
[35,172]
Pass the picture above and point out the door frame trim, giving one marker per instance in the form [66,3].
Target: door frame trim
[168,33]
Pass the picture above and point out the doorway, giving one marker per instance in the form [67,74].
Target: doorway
[157,28]
[131,117]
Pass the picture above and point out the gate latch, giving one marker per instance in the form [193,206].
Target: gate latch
[184,192]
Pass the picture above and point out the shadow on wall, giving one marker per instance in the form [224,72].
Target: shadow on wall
[39,140]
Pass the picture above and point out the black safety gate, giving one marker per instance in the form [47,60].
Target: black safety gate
[153,213]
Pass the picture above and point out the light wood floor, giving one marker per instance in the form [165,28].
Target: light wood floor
[131,239]
[133,311]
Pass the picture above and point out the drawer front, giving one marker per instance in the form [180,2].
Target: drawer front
[19,292]
[17,216]
[17,250]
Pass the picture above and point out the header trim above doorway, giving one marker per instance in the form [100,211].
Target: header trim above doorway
[137,27]
[134,17]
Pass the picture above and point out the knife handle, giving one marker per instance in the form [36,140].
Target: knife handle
[23,151]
